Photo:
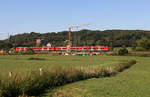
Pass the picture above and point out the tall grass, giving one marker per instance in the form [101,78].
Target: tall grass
[36,84]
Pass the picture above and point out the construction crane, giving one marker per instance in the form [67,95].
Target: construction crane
[69,35]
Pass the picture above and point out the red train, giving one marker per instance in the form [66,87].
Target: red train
[84,48]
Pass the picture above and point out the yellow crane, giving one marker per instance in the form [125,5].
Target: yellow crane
[69,35]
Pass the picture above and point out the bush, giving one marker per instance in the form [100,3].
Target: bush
[30,51]
[27,52]
[144,43]
[10,89]
[36,58]
[140,49]
[122,51]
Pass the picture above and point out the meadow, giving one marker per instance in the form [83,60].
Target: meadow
[133,82]
[21,64]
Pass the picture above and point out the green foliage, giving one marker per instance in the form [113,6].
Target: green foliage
[143,44]
[30,51]
[27,52]
[140,49]
[112,38]
[10,89]
[123,51]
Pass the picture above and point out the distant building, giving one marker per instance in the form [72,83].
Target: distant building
[38,42]
[49,45]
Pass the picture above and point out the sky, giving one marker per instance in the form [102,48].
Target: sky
[19,16]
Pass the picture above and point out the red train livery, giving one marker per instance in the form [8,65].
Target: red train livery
[84,48]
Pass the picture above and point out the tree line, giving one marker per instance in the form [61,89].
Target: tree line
[111,38]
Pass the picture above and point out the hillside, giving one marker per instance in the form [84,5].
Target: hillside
[112,38]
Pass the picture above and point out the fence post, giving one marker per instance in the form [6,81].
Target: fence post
[10,74]
[41,71]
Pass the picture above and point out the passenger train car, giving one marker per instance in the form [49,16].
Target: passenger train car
[84,48]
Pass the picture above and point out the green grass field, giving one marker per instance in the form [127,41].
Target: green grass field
[134,82]
[21,65]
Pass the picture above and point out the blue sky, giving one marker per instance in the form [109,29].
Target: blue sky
[19,16]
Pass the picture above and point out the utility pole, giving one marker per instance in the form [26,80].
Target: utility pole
[69,36]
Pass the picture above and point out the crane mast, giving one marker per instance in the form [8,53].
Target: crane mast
[69,36]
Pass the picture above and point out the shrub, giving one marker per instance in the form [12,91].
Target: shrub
[140,49]
[122,51]
[144,43]
[10,89]
[30,51]
[36,58]
[120,67]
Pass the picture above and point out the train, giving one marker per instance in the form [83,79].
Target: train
[84,48]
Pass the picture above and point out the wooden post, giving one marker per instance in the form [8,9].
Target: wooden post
[10,74]
[41,71]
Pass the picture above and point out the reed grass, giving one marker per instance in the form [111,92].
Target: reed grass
[35,84]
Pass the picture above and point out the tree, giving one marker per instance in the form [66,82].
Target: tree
[98,43]
[122,51]
[111,38]
[143,43]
